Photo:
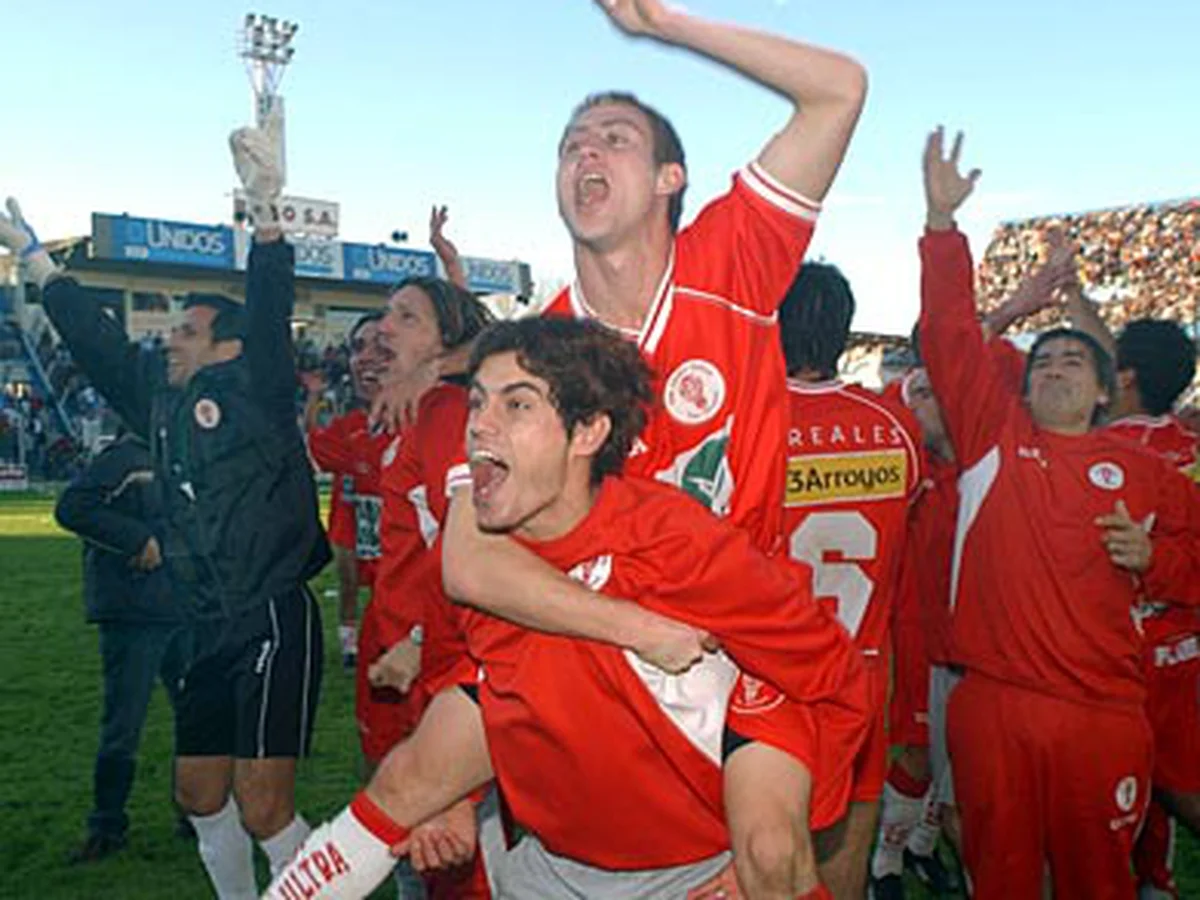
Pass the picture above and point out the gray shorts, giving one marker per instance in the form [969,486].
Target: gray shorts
[942,682]
[531,871]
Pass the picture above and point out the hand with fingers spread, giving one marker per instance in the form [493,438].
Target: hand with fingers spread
[443,842]
[945,187]
[256,157]
[644,17]
[444,247]
[1127,542]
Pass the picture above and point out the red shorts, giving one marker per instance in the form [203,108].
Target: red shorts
[385,717]
[341,523]
[1173,707]
[1038,778]
[908,722]
[823,737]
[870,765]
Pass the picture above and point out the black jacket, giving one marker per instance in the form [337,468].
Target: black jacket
[114,505]
[238,489]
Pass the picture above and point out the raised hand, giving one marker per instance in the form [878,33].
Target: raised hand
[15,233]
[256,159]
[636,16]
[438,216]
[1060,268]
[945,187]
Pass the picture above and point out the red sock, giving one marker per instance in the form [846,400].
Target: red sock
[1153,851]
[376,821]
[904,783]
[820,892]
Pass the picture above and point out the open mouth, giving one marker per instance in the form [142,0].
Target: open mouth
[488,472]
[591,189]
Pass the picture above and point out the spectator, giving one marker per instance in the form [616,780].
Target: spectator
[113,506]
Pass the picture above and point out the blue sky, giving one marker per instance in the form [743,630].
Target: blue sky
[396,104]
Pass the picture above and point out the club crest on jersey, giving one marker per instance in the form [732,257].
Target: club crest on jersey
[207,413]
[751,696]
[1126,794]
[594,573]
[695,392]
[1107,476]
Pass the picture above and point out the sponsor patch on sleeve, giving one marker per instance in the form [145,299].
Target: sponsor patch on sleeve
[846,476]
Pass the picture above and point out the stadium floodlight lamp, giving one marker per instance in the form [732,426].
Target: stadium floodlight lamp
[265,46]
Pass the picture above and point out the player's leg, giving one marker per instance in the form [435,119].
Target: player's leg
[204,722]
[995,749]
[443,761]
[767,795]
[1098,790]
[346,566]
[942,683]
[1153,855]
[903,804]
[276,684]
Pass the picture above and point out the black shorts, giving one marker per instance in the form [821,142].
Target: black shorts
[251,691]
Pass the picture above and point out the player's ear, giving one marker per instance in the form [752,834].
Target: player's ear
[672,178]
[588,437]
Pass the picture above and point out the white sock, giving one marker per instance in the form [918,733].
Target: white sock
[348,636]
[340,860]
[898,817]
[282,846]
[227,853]
[925,836]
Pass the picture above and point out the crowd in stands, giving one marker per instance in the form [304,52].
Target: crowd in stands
[1138,261]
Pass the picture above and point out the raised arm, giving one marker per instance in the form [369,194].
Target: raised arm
[118,368]
[270,272]
[973,395]
[445,248]
[827,89]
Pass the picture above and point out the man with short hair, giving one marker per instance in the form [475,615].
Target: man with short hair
[854,465]
[1156,362]
[242,536]
[555,404]
[114,506]
[1061,525]
[701,304]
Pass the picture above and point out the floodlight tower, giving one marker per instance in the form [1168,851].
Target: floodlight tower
[265,44]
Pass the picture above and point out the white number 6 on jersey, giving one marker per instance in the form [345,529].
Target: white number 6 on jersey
[855,538]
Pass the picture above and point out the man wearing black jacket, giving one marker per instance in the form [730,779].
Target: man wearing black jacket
[115,508]
[242,535]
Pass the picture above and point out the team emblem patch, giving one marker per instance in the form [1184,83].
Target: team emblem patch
[695,392]
[594,573]
[1127,794]
[207,413]
[1107,476]
[751,696]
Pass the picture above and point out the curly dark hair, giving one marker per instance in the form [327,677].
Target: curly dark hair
[590,370]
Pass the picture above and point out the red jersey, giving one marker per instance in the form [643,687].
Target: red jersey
[340,526]
[928,554]
[638,752]
[347,448]
[1174,442]
[712,339]
[853,465]
[1043,606]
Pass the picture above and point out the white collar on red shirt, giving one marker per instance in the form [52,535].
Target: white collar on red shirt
[648,335]
[816,387]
